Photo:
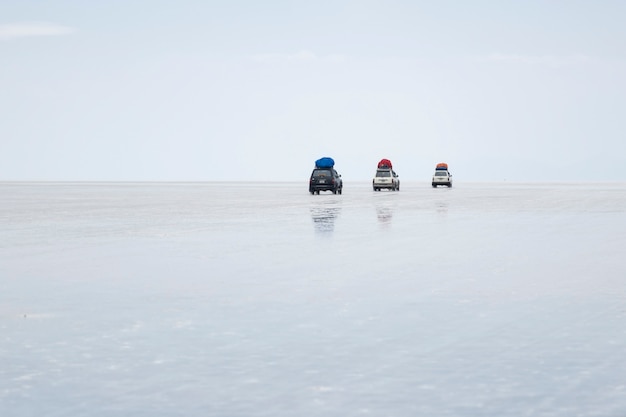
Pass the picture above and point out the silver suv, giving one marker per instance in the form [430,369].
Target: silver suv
[386,178]
[442,177]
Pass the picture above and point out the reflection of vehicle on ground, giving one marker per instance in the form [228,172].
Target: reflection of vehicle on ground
[324,217]
[385,177]
[384,214]
[325,178]
[442,176]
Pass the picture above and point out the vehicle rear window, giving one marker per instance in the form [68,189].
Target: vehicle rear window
[322,173]
[441,174]
[383,173]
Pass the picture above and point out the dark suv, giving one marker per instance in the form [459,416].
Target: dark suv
[325,179]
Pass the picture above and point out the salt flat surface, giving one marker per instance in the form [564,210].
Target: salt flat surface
[243,299]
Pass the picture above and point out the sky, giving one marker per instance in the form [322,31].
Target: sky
[140,90]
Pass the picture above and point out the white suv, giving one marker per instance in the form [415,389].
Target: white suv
[442,177]
[386,178]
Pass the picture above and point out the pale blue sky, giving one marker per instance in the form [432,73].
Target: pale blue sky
[250,90]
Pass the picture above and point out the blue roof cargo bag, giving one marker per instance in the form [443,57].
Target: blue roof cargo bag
[325,162]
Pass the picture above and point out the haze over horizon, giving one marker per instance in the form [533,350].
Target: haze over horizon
[199,91]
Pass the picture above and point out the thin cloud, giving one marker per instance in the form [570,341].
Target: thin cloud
[549,60]
[29,29]
[304,55]
[300,56]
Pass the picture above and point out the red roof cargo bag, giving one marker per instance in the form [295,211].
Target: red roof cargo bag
[385,163]
[442,166]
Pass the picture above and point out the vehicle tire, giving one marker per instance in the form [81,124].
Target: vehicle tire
[340,191]
[434,185]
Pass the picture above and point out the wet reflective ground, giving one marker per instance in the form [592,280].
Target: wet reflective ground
[244,299]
